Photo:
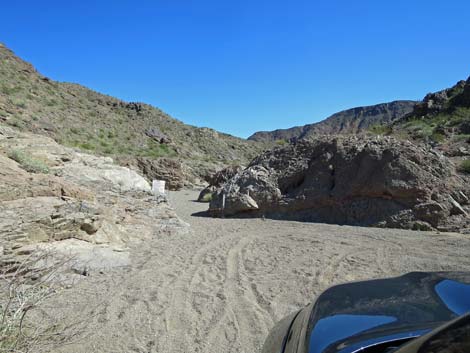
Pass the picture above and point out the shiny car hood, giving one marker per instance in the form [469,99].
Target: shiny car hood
[348,317]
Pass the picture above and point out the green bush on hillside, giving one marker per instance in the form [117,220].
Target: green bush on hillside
[465,166]
[28,162]
[281,142]
[380,129]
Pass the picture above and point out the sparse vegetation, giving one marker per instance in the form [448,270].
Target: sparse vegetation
[465,166]
[78,117]
[281,142]
[23,287]
[431,126]
[207,197]
[28,163]
[16,122]
[380,129]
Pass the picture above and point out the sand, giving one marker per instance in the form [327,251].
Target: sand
[221,286]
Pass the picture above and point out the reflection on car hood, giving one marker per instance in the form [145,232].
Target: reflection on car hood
[347,317]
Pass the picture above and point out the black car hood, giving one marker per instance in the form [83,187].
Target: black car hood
[348,317]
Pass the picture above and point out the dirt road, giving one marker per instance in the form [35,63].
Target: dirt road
[223,285]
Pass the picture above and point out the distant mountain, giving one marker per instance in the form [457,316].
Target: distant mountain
[78,117]
[349,121]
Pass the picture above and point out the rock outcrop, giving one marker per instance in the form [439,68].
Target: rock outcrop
[216,181]
[434,103]
[350,180]
[351,121]
[167,169]
[81,206]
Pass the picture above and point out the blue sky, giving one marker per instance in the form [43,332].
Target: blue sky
[246,65]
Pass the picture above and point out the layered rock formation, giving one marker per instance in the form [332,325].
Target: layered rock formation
[76,205]
[349,180]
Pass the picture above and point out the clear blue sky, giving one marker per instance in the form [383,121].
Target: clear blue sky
[246,65]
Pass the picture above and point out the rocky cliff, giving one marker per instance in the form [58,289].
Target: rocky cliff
[378,181]
[351,121]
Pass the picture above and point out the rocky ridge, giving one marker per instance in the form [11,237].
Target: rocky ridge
[378,181]
[441,119]
[76,116]
[351,121]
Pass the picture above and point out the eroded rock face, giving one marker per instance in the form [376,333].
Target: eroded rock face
[349,180]
[167,169]
[84,206]
[216,180]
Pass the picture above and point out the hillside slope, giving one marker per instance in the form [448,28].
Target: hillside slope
[349,121]
[441,119]
[440,116]
[76,116]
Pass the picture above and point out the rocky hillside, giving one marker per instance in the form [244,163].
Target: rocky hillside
[76,116]
[351,121]
[377,181]
[441,119]
[72,204]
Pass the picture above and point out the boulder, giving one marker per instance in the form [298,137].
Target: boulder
[157,135]
[216,180]
[347,180]
[88,170]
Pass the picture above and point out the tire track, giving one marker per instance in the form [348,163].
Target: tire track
[222,286]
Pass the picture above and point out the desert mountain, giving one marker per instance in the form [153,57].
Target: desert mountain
[135,134]
[349,121]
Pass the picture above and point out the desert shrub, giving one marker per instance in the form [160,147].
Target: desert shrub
[207,197]
[155,150]
[380,129]
[462,137]
[10,90]
[281,142]
[16,122]
[86,146]
[51,102]
[24,285]
[28,162]
[437,136]
[75,130]
[465,166]
[19,103]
